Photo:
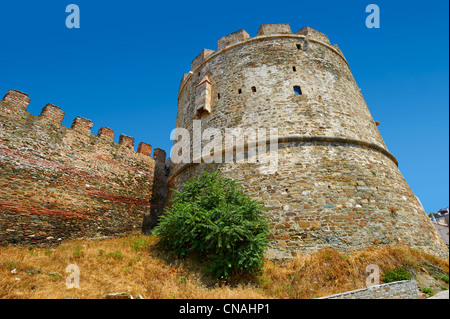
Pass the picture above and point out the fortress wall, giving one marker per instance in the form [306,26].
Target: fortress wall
[342,188]
[58,182]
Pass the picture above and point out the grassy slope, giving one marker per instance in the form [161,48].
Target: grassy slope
[132,264]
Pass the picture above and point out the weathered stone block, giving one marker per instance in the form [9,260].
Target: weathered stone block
[82,125]
[276,28]
[232,38]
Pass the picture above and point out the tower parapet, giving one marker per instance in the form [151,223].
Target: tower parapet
[266,31]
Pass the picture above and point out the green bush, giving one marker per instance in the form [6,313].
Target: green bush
[213,218]
[445,278]
[396,274]
[428,291]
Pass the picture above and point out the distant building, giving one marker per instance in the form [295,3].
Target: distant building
[440,217]
[443,230]
[440,221]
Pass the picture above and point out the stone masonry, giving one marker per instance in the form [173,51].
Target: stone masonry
[405,289]
[336,184]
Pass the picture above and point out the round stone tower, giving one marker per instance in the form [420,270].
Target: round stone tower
[335,184]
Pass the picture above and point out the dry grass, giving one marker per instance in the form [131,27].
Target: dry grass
[132,264]
[330,272]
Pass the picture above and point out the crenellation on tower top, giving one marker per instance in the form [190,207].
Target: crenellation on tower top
[232,38]
[275,28]
[312,34]
[200,58]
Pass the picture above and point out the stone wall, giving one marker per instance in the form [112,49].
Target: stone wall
[406,289]
[336,184]
[58,182]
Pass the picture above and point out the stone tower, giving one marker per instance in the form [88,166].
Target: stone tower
[336,184]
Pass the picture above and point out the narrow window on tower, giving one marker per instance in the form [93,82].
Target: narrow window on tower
[218,96]
[297,90]
[253,89]
[299,46]
[294,69]
[240,91]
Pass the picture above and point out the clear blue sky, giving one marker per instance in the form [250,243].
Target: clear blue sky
[122,68]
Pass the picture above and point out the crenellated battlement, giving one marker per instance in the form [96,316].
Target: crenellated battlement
[16,102]
[266,31]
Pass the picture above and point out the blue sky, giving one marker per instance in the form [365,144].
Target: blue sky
[122,68]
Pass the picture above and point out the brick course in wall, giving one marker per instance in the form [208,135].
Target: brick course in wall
[59,183]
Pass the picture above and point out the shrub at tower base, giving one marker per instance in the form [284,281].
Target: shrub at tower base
[215,220]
